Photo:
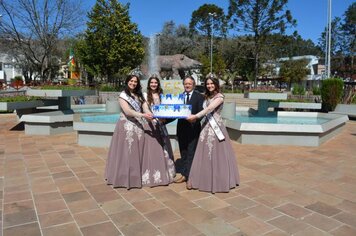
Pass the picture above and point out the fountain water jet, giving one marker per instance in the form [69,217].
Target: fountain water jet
[152,56]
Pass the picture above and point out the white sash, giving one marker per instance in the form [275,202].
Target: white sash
[130,101]
[219,134]
[214,125]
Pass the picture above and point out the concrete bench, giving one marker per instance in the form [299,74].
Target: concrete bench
[346,109]
[296,105]
[48,123]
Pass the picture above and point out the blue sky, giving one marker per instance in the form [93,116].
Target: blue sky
[151,14]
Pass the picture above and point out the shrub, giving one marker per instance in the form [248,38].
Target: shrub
[316,91]
[108,88]
[19,98]
[298,89]
[331,93]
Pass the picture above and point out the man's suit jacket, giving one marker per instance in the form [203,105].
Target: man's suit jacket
[186,129]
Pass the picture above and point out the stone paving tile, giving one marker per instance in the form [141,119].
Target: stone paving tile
[19,218]
[143,228]
[166,195]
[15,207]
[63,174]
[230,214]
[241,202]
[47,196]
[276,232]
[50,206]
[196,215]
[347,206]
[76,196]
[211,203]
[216,226]
[83,205]
[322,222]
[323,208]
[162,217]
[101,229]
[250,192]
[262,212]
[60,230]
[55,218]
[288,224]
[311,231]
[149,205]
[346,218]
[284,190]
[116,206]
[127,217]
[17,196]
[31,229]
[90,217]
[180,204]
[293,210]
[252,226]
[179,228]
[270,200]
[344,231]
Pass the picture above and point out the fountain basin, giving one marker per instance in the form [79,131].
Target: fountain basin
[96,130]
[313,129]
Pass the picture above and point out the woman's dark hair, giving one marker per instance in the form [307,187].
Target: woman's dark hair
[150,91]
[215,82]
[137,90]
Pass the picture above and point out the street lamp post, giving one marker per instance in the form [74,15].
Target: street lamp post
[212,15]
[328,42]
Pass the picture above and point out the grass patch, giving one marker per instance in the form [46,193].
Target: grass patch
[64,87]
[18,99]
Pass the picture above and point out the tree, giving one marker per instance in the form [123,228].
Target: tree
[349,29]
[208,20]
[112,44]
[259,18]
[294,71]
[279,45]
[176,40]
[336,38]
[208,17]
[218,66]
[343,43]
[237,54]
[34,28]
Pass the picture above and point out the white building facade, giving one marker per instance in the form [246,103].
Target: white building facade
[9,68]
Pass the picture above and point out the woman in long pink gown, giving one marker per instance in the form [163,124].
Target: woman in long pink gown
[123,165]
[214,168]
[157,162]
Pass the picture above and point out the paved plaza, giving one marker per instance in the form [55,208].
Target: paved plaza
[51,186]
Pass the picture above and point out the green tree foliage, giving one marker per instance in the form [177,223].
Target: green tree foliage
[238,55]
[279,45]
[343,43]
[259,18]
[177,40]
[349,29]
[336,37]
[218,64]
[294,71]
[331,93]
[112,44]
[208,17]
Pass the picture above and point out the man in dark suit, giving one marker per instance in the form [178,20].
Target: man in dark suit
[188,133]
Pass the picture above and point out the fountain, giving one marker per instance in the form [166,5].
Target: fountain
[153,51]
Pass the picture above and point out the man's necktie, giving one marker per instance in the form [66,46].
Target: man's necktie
[187,100]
